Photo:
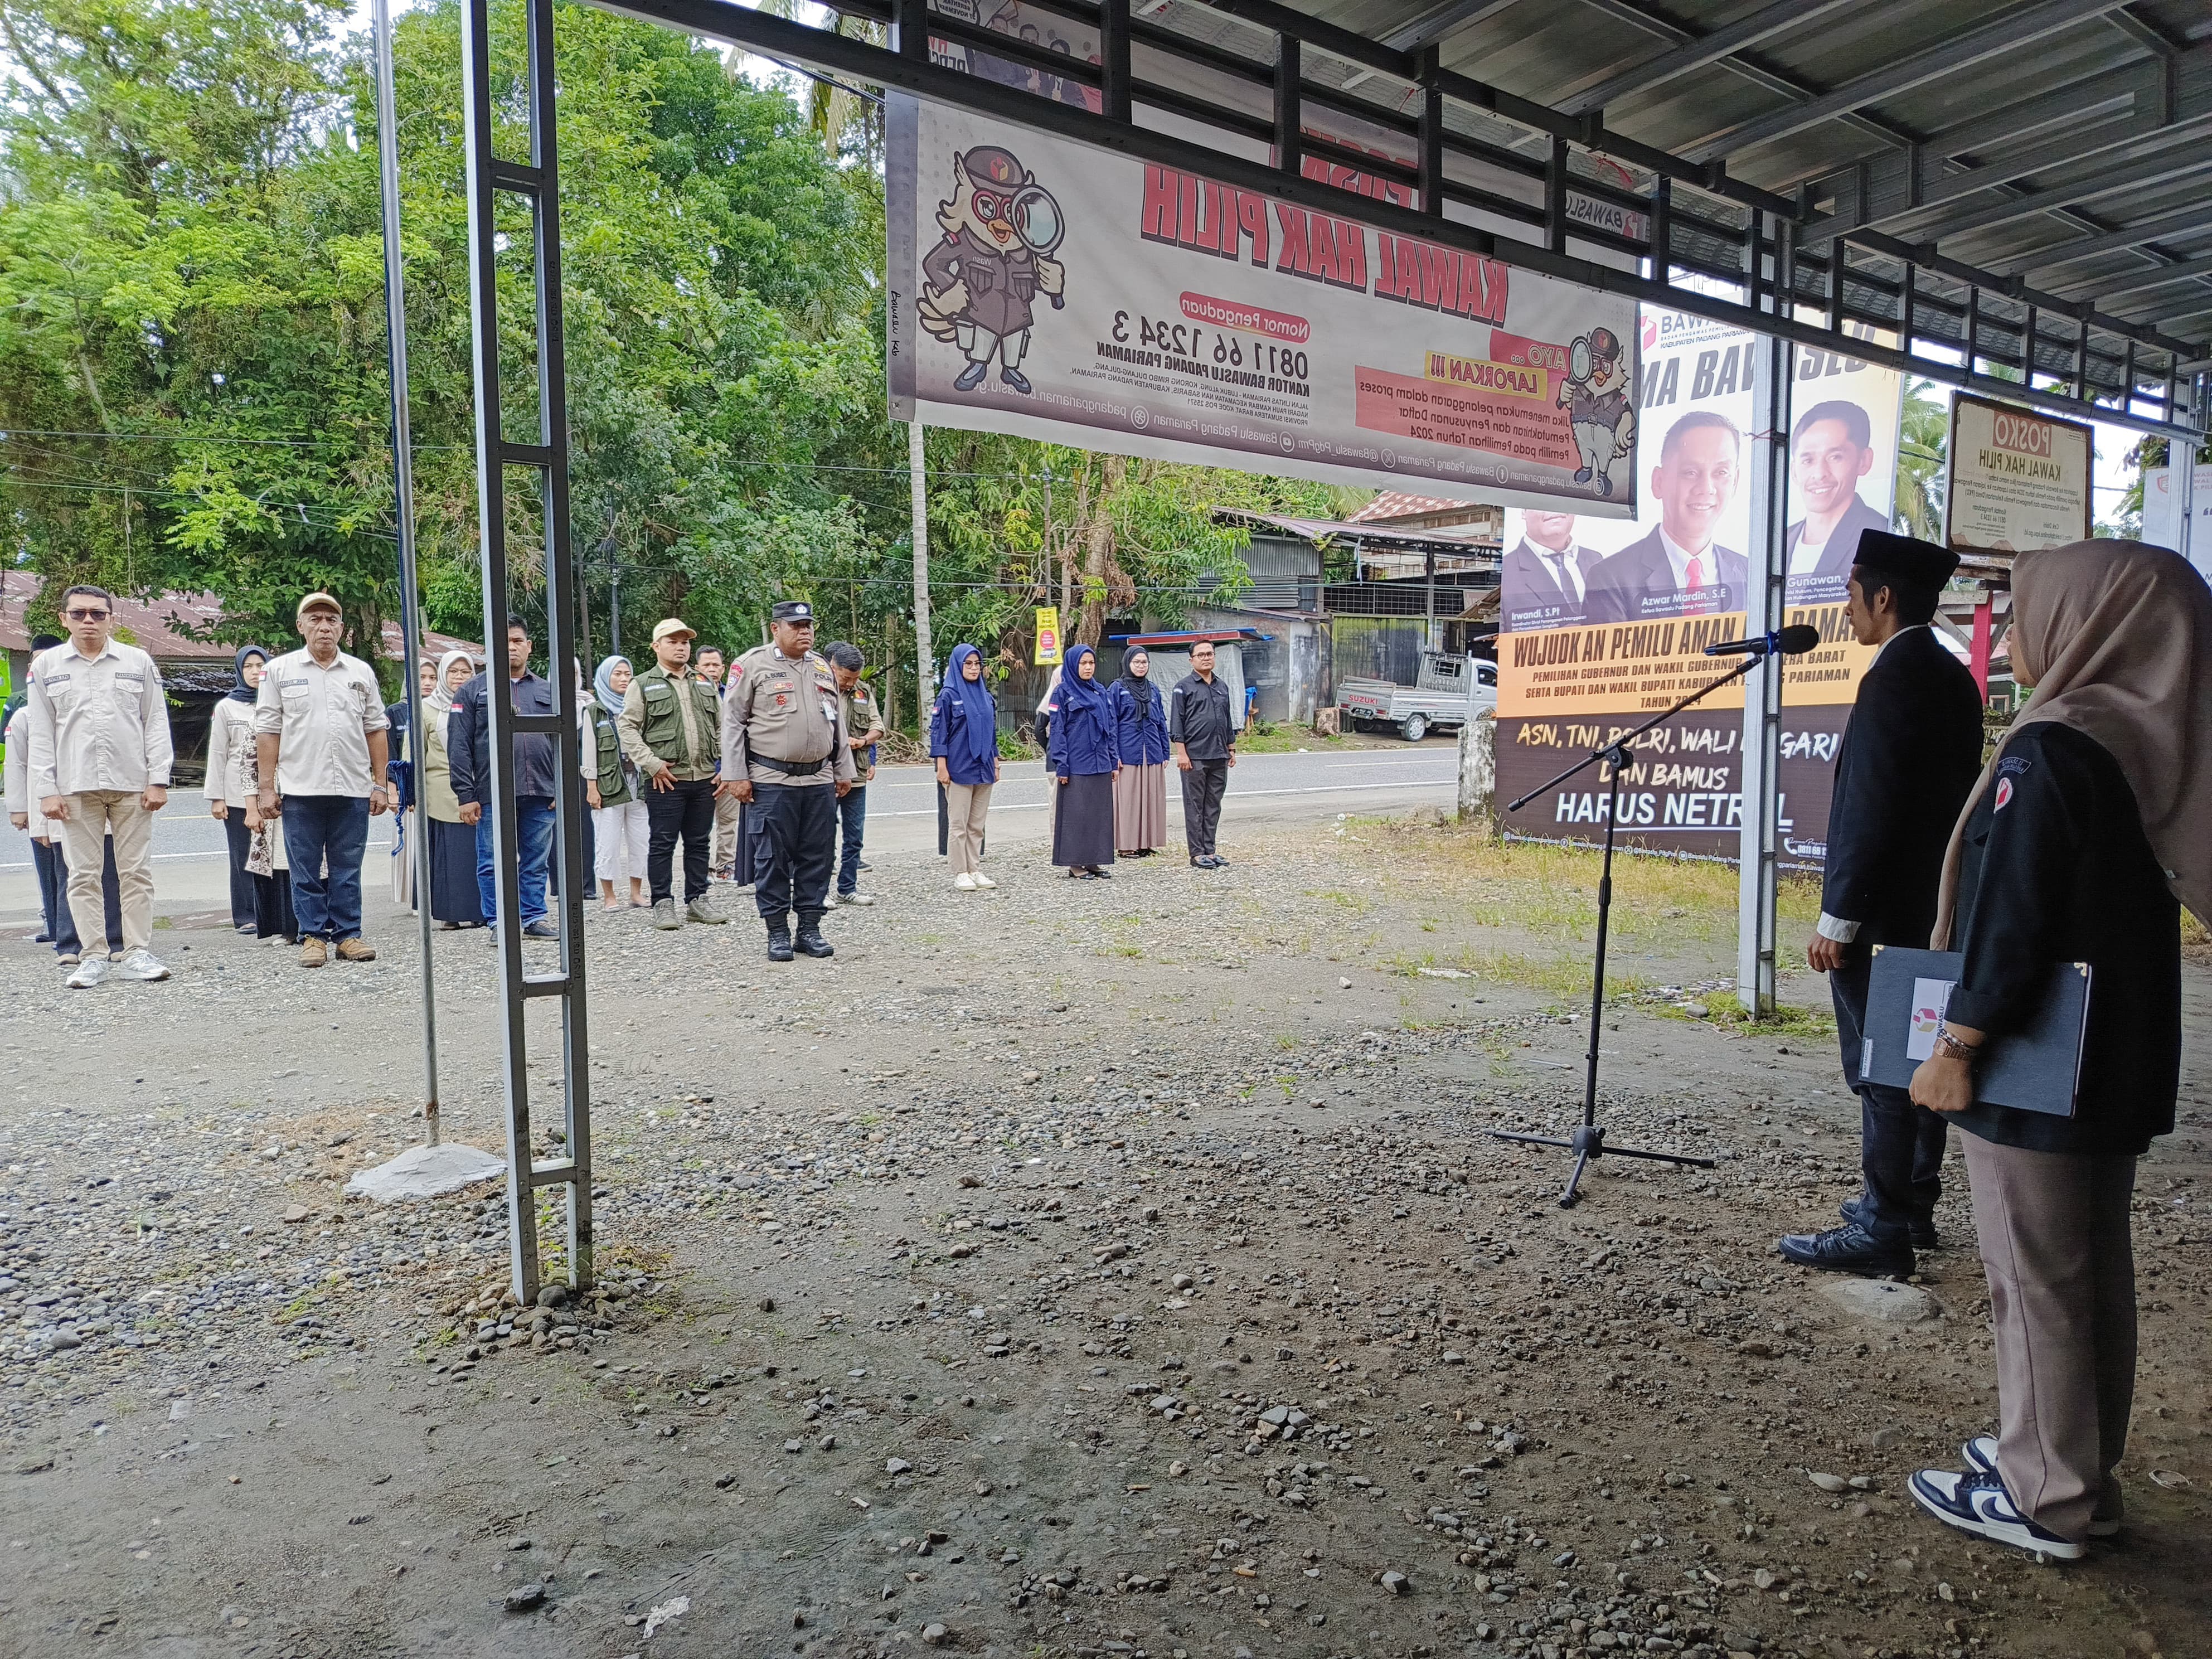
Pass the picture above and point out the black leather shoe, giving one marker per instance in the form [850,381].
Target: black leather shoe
[1924,1236]
[811,942]
[1848,1249]
[779,946]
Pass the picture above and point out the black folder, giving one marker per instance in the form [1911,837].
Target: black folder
[2034,1068]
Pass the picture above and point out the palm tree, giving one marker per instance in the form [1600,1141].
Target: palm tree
[1923,432]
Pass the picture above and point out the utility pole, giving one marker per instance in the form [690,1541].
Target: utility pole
[925,666]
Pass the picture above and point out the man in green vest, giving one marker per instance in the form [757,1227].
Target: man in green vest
[671,731]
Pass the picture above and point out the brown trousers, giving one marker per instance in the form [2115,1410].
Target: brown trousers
[2055,1245]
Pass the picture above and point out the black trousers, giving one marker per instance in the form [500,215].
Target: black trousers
[688,812]
[1203,786]
[241,842]
[794,844]
[1900,1144]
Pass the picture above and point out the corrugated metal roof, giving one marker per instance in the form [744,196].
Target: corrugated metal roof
[2060,141]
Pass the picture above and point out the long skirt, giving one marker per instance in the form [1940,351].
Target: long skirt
[453,894]
[1082,830]
[1140,808]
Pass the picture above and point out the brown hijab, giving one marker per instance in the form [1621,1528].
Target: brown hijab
[2116,639]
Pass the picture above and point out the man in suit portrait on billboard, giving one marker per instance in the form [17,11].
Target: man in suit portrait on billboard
[1546,574]
[1831,449]
[1678,570]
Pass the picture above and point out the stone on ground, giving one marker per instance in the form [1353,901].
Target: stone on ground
[428,1172]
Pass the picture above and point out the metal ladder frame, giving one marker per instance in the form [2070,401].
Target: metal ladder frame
[537,181]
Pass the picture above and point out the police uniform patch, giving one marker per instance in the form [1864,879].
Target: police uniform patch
[2013,765]
[2004,795]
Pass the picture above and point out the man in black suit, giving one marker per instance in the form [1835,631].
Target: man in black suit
[1677,570]
[1831,449]
[1910,755]
[1546,574]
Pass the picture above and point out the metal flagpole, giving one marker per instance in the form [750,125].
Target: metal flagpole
[403,469]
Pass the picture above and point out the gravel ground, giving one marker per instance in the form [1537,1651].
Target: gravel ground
[1082,1268]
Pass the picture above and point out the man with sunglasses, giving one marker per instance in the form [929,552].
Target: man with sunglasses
[100,766]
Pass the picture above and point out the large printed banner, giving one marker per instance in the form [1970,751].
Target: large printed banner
[1044,288]
[1606,624]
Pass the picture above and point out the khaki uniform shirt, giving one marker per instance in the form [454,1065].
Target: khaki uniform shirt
[322,718]
[689,752]
[101,724]
[790,711]
[860,721]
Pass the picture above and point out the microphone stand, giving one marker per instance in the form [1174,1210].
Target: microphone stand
[1587,1141]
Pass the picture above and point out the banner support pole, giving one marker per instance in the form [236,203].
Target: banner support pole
[924,665]
[1759,845]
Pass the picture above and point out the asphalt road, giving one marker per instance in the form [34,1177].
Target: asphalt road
[190,873]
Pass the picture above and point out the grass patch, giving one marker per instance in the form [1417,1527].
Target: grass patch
[1724,1012]
[1262,739]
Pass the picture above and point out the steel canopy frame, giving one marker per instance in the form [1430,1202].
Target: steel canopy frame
[2075,360]
[536,182]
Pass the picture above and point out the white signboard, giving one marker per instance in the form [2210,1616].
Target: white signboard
[2160,526]
[1044,288]
[2018,480]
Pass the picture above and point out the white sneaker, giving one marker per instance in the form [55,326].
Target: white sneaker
[856,898]
[89,973]
[143,963]
[982,880]
[965,882]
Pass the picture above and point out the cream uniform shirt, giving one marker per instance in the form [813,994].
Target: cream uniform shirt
[97,723]
[322,716]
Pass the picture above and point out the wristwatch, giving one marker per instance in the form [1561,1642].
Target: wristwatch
[1955,1047]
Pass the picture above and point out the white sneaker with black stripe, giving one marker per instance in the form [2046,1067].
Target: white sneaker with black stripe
[1981,1454]
[1977,1502]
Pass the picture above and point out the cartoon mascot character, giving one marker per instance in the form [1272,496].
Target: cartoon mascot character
[1000,229]
[1595,396]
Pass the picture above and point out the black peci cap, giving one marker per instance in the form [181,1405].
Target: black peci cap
[1920,563]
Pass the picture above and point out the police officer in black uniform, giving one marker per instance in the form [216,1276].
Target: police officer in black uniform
[1910,755]
[784,750]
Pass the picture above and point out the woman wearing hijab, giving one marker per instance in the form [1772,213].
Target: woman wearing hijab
[406,770]
[1140,734]
[454,900]
[963,737]
[618,815]
[1083,757]
[266,867]
[2088,825]
[230,725]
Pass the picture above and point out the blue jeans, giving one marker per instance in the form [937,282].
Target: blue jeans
[533,831]
[852,819]
[332,829]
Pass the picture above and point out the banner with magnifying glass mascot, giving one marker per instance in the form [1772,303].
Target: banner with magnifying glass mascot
[1044,288]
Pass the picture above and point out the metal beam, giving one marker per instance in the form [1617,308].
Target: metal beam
[2060,128]
[2189,222]
[1759,73]
[2110,287]
[2160,169]
[761,32]
[1975,45]
[1434,24]
[1696,51]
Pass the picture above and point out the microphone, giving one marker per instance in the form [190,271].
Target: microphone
[1789,641]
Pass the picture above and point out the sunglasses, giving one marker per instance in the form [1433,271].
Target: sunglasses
[80,615]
